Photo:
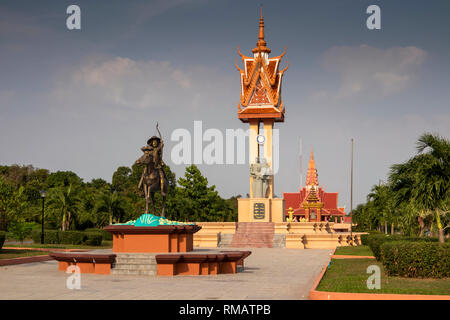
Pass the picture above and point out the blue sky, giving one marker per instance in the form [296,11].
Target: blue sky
[87,100]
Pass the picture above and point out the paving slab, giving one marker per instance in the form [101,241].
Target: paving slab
[270,273]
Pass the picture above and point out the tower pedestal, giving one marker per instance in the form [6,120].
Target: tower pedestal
[261,210]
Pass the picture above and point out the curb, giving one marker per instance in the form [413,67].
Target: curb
[32,259]
[351,257]
[328,295]
[47,249]
[13,261]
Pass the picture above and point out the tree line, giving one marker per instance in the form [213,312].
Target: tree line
[415,198]
[72,204]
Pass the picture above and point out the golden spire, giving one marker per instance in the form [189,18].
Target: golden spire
[312,178]
[261,44]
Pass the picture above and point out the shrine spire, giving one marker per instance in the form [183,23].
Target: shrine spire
[312,178]
[261,44]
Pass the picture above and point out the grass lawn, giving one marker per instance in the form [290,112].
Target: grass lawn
[354,251]
[105,245]
[349,275]
[12,253]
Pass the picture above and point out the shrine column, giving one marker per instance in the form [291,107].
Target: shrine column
[268,148]
[253,147]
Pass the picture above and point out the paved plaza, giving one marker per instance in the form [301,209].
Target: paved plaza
[275,273]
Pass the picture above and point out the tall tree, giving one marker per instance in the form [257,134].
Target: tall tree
[65,203]
[11,201]
[110,205]
[424,180]
[203,202]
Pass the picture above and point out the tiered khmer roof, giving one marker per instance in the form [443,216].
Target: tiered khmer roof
[261,82]
[312,196]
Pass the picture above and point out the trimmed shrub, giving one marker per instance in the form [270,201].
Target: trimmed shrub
[374,241]
[20,230]
[416,259]
[364,239]
[71,237]
[2,238]
[50,236]
[93,238]
[106,235]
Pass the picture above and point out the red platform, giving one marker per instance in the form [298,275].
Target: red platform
[171,238]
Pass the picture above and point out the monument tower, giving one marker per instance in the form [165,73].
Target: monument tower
[261,106]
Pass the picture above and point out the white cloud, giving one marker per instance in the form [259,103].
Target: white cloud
[365,71]
[120,82]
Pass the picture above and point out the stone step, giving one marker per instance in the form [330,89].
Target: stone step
[136,261]
[254,235]
[225,240]
[251,245]
[136,255]
[252,240]
[145,267]
[133,272]
[256,223]
[254,231]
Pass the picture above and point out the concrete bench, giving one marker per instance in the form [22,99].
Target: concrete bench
[88,263]
[200,264]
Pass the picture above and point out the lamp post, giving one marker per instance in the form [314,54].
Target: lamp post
[351,197]
[43,194]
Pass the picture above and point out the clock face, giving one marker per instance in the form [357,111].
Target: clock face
[260,139]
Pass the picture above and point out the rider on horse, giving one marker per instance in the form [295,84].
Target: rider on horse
[155,148]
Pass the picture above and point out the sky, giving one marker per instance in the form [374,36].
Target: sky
[87,100]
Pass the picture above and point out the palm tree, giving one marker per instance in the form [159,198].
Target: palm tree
[65,202]
[110,204]
[424,180]
[433,189]
[382,199]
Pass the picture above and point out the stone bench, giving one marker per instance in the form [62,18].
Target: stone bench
[88,263]
[200,264]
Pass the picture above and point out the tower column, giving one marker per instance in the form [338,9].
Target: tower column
[260,103]
[268,148]
[253,147]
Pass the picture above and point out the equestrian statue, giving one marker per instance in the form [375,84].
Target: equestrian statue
[153,178]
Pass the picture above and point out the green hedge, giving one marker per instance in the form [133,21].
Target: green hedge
[93,238]
[2,238]
[416,259]
[364,239]
[50,236]
[68,237]
[106,235]
[374,241]
[71,237]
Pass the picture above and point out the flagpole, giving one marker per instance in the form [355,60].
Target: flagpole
[351,196]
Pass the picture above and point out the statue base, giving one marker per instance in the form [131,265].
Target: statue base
[261,210]
[162,238]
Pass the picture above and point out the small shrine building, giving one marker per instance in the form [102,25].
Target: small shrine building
[312,203]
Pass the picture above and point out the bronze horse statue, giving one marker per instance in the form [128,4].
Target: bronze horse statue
[151,181]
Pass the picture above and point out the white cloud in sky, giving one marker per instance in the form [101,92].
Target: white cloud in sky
[127,83]
[123,83]
[365,71]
